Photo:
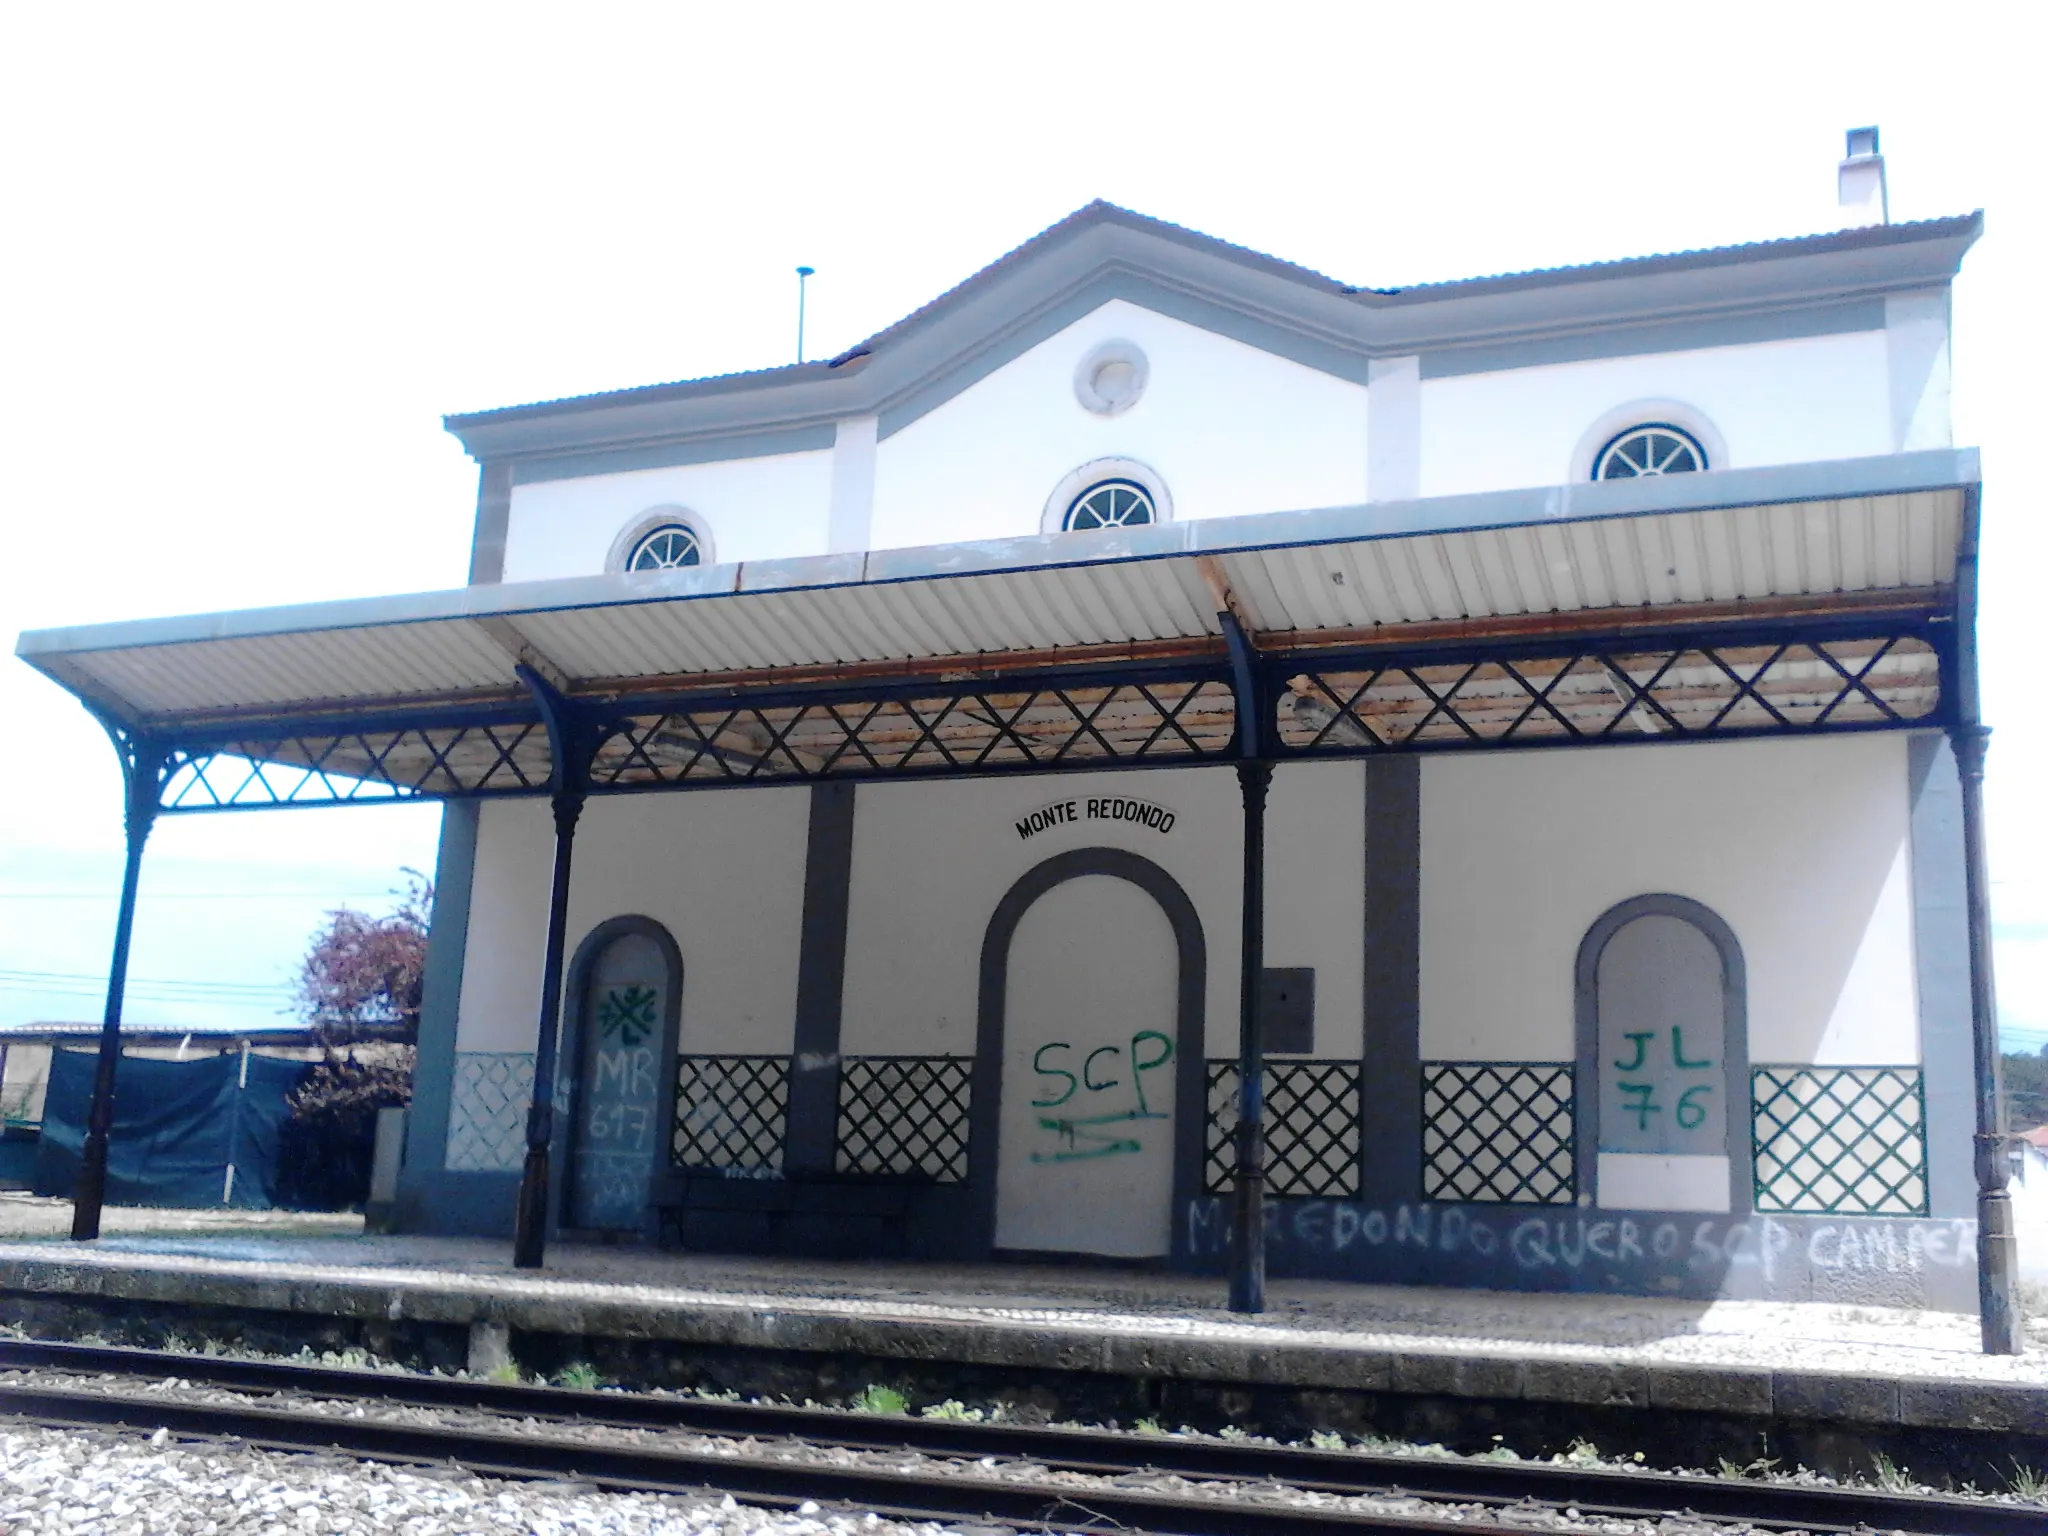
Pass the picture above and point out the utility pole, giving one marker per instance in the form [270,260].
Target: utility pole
[803,277]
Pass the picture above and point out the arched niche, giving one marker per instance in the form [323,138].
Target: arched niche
[1663,1059]
[624,1004]
[1188,964]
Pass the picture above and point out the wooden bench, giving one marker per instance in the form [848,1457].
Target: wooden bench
[863,1215]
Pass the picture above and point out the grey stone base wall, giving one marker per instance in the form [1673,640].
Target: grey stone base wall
[456,1204]
[1863,1260]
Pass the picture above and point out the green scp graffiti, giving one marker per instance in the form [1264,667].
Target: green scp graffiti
[1093,1135]
[627,1014]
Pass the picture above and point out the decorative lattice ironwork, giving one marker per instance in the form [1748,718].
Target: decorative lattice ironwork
[731,1112]
[360,765]
[1094,713]
[905,1115]
[1498,1131]
[487,1103]
[1840,1140]
[972,731]
[1613,693]
[1311,1118]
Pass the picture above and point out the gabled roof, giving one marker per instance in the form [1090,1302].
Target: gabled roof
[1102,252]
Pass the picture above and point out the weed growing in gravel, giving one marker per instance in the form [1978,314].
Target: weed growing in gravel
[953,1408]
[1583,1452]
[1763,1466]
[2028,1483]
[581,1375]
[1501,1451]
[880,1399]
[1326,1440]
[1150,1427]
[1889,1476]
[505,1374]
[1230,1432]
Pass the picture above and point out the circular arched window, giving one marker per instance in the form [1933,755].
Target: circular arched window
[665,547]
[1111,504]
[1654,448]
[1111,377]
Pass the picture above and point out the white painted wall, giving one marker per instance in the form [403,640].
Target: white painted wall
[1778,402]
[1315,895]
[722,871]
[932,860]
[1663,1181]
[1800,846]
[2030,1213]
[756,509]
[1917,344]
[1234,430]
[1229,428]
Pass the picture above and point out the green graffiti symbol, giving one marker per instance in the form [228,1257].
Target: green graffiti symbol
[1038,1065]
[627,1012]
[1084,1140]
[1140,1066]
[1678,1051]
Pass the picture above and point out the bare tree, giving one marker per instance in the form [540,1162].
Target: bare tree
[362,975]
[359,990]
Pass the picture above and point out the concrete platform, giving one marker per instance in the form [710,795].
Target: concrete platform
[1862,1366]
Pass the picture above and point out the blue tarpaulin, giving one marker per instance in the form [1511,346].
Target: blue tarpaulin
[179,1127]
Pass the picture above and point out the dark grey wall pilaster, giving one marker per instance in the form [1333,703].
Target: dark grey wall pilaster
[1941,958]
[1390,1148]
[493,517]
[433,1077]
[808,1144]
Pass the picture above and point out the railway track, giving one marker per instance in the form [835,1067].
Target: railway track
[547,1435]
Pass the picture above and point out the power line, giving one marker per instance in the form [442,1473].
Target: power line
[199,895]
[45,980]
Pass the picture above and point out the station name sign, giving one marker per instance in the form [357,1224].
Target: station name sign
[1143,813]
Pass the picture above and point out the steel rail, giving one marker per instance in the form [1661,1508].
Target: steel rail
[519,1451]
[1103,1453]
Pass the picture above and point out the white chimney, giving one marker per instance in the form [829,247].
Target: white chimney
[1860,182]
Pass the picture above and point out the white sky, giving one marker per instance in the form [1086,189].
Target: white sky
[252,254]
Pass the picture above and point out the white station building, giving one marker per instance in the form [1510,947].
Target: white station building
[874,744]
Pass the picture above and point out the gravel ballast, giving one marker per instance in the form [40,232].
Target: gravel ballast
[73,1481]
[99,1484]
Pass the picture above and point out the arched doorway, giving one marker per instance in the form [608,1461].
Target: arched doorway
[626,984]
[1664,1120]
[1090,1049]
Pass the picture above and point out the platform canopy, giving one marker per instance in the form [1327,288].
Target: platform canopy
[1791,598]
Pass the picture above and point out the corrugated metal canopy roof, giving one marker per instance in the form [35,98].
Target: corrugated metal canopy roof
[1300,579]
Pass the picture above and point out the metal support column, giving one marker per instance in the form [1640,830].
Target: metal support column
[1997,1246]
[571,743]
[1248,1217]
[142,767]
[1254,777]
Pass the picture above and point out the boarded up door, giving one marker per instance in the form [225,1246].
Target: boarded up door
[617,1129]
[1086,1157]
